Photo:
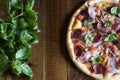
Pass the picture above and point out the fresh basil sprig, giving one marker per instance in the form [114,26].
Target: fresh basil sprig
[17,33]
[96,59]
[107,24]
[115,10]
[111,37]
[89,37]
[86,23]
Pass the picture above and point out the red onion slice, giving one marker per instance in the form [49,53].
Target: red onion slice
[100,26]
[91,11]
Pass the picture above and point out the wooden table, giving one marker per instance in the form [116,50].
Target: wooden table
[50,59]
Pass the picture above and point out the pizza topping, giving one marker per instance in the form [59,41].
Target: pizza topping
[113,65]
[77,24]
[96,59]
[118,29]
[84,14]
[78,50]
[107,24]
[97,11]
[76,33]
[89,38]
[96,38]
[115,10]
[114,48]
[85,56]
[92,12]
[111,5]
[92,49]
[105,57]
[118,64]
[103,13]
[107,68]
[111,37]
[100,26]
[86,23]
[119,15]
[99,69]
[117,21]
[80,17]
[107,44]
[79,43]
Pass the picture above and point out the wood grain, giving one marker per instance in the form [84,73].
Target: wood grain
[50,59]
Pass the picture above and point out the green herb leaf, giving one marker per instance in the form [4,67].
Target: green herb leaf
[3,61]
[114,10]
[111,37]
[25,38]
[16,68]
[118,10]
[3,28]
[7,6]
[22,23]
[23,54]
[96,59]
[26,70]
[17,4]
[86,23]
[29,4]
[107,24]
[89,37]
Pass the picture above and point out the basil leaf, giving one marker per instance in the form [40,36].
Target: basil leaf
[10,45]
[26,70]
[114,10]
[107,24]
[22,23]
[3,63]
[16,68]
[96,59]
[89,37]
[23,54]
[29,4]
[25,38]
[86,23]
[111,37]
[118,10]
[17,4]
[12,14]
[7,6]
[12,28]
[35,41]
[3,28]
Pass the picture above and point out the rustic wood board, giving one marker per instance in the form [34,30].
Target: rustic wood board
[50,59]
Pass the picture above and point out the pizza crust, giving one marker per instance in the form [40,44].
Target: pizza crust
[81,66]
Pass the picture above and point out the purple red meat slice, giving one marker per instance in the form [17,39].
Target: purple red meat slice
[99,69]
[78,50]
[76,33]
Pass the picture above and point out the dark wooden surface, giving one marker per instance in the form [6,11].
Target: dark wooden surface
[50,59]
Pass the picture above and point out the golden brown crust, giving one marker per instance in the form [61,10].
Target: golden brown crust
[81,66]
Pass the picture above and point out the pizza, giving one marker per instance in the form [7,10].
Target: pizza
[93,39]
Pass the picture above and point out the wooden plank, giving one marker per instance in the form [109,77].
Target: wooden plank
[54,64]
[59,57]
